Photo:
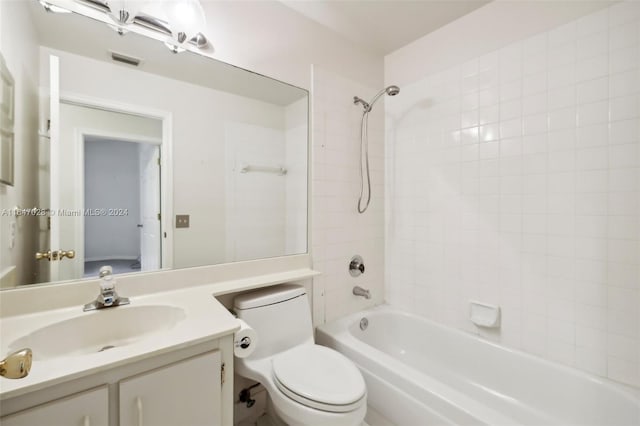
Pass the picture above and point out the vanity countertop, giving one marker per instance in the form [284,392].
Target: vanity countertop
[202,319]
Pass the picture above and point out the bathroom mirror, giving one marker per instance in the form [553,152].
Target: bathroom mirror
[130,155]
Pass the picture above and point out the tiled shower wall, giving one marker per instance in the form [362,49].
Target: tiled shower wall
[514,179]
[338,231]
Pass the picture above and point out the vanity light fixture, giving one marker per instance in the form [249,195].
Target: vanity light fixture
[184,20]
[181,21]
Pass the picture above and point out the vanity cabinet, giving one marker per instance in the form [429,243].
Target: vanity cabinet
[182,387]
[90,408]
[184,393]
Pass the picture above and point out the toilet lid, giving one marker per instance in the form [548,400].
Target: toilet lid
[319,377]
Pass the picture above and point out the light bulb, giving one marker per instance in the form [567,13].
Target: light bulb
[186,19]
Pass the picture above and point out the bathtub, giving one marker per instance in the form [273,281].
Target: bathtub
[421,373]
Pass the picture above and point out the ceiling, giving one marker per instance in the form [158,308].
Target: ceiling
[383,26]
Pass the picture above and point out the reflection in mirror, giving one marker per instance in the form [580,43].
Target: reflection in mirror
[176,162]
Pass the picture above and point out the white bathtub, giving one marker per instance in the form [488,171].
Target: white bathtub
[421,373]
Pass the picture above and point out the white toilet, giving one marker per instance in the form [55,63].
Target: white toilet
[308,384]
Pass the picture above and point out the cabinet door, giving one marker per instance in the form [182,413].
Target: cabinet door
[187,393]
[90,408]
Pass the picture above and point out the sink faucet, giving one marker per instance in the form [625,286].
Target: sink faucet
[108,296]
[359,291]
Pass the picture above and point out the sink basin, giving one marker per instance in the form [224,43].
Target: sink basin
[97,331]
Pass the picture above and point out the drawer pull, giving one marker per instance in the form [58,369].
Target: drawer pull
[139,407]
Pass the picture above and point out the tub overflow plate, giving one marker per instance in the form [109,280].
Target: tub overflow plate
[364,323]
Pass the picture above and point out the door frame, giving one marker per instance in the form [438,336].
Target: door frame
[166,165]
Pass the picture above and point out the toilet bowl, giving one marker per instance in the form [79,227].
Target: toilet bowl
[307,384]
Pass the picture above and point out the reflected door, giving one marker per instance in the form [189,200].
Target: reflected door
[150,239]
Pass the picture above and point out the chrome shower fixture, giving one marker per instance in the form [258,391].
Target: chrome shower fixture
[368,106]
[364,142]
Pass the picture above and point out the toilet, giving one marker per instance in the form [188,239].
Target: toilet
[307,384]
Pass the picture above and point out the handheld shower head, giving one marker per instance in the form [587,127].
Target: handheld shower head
[391,91]
[364,144]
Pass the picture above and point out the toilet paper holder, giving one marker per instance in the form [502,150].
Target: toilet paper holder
[243,343]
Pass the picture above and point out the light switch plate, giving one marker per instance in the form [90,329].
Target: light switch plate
[182,221]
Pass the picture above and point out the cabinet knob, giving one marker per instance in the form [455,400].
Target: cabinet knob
[17,365]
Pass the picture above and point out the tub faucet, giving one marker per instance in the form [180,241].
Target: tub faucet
[359,291]
[108,296]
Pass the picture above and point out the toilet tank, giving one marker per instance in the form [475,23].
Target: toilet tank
[280,315]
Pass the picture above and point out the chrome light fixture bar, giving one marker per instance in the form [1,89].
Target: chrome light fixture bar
[141,19]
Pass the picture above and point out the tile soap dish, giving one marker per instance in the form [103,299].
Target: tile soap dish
[484,315]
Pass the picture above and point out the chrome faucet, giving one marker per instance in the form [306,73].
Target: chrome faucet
[359,291]
[108,296]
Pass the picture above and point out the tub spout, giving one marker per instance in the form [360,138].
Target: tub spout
[359,291]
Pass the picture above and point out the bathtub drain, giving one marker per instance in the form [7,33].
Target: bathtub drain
[364,323]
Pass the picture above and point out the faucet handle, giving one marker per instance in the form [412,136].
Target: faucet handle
[356,266]
[105,271]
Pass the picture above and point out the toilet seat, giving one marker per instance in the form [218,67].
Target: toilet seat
[320,378]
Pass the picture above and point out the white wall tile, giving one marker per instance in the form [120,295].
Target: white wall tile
[562,119]
[594,135]
[535,124]
[562,97]
[624,59]
[590,68]
[624,108]
[624,83]
[593,113]
[593,90]
[624,35]
[626,131]
[592,45]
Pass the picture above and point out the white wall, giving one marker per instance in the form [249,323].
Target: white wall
[112,181]
[20,54]
[338,231]
[513,178]
[296,158]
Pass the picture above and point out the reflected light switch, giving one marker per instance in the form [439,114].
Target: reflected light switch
[182,221]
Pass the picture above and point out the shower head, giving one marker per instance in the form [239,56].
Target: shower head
[391,91]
